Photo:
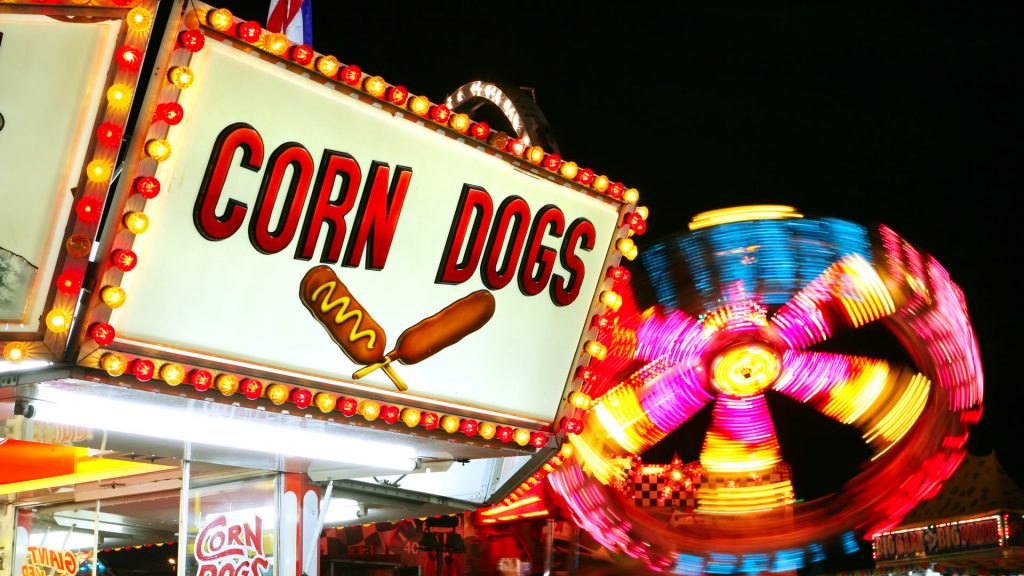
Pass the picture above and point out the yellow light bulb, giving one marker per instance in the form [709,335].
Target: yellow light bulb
[459,123]
[113,296]
[534,154]
[611,299]
[98,171]
[136,222]
[419,105]
[181,76]
[569,170]
[325,401]
[631,196]
[220,19]
[642,211]
[58,320]
[15,352]
[172,374]
[370,410]
[278,393]
[580,400]
[601,183]
[375,86]
[119,96]
[276,43]
[139,19]
[625,245]
[114,364]
[596,349]
[450,424]
[227,384]
[521,437]
[328,65]
[158,150]
[487,430]
[565,451]
[411,417]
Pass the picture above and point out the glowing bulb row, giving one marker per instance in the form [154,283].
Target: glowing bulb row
[99,171]
[277,44]
[563,455]
[143,369]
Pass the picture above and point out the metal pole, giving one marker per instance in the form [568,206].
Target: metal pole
[549,546]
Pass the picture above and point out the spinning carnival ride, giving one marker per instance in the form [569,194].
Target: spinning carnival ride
[743,300]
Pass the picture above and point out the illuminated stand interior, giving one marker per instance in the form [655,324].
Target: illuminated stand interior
[743,299]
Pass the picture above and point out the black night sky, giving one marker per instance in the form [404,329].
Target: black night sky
[907,115]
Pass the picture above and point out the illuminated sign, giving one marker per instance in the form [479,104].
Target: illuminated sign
[235,549]
[67,79]
[311,236]
[948,538]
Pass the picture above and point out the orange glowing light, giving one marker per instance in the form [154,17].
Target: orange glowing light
[276,43]
[325,401]
[98,171]
[158,149]
[181,76]
[227,384]
[411,417]
[119,96]
[114,364]
[172,374]
[278,393]
[15,352]
[136,222]
[58,320]
[113,296]
[419,105]
[139,19]
[221,19]
[375,86]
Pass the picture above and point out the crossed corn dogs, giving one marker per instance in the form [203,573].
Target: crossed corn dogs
[363,340]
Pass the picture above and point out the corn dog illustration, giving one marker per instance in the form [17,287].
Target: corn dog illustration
[431,335]
[337,310]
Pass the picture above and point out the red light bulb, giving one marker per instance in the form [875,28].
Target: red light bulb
[301,397]
[302,54]
[142,369]
[124,259]
[585,373]
[129,58]
[200,379]
[469,427]
[102,333]
[515,146]
[636,223]
[390,413]
[619,274]
[538,439]
[480,130]
[252,388]
[585,176]
[69,282]
[192,40]
[603,322]
[397,95]
[147,186]
[249,31]
[348,406]
[88,209]
[572,425]
[109,134]
[351,75]
[552,162]
[440,113]
[505,434]
[429,420]
[616,190]
[169,112]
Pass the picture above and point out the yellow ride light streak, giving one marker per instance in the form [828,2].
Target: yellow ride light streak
[625,421]
[721,454]
[513,506]
[898,420]
[746,370]
[852,399]
[594,460]
[861,291]
[737,499]
[743,213]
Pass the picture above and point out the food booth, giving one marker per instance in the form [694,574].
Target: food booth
[249,292]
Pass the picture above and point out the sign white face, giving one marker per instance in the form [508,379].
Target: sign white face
[52,76]
[304,231]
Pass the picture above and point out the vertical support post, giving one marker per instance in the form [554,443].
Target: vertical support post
[549,546]
[186,481]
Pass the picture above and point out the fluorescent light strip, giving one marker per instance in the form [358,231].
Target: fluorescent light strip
[143,419]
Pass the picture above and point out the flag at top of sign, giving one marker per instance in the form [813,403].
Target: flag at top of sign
[294,18]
